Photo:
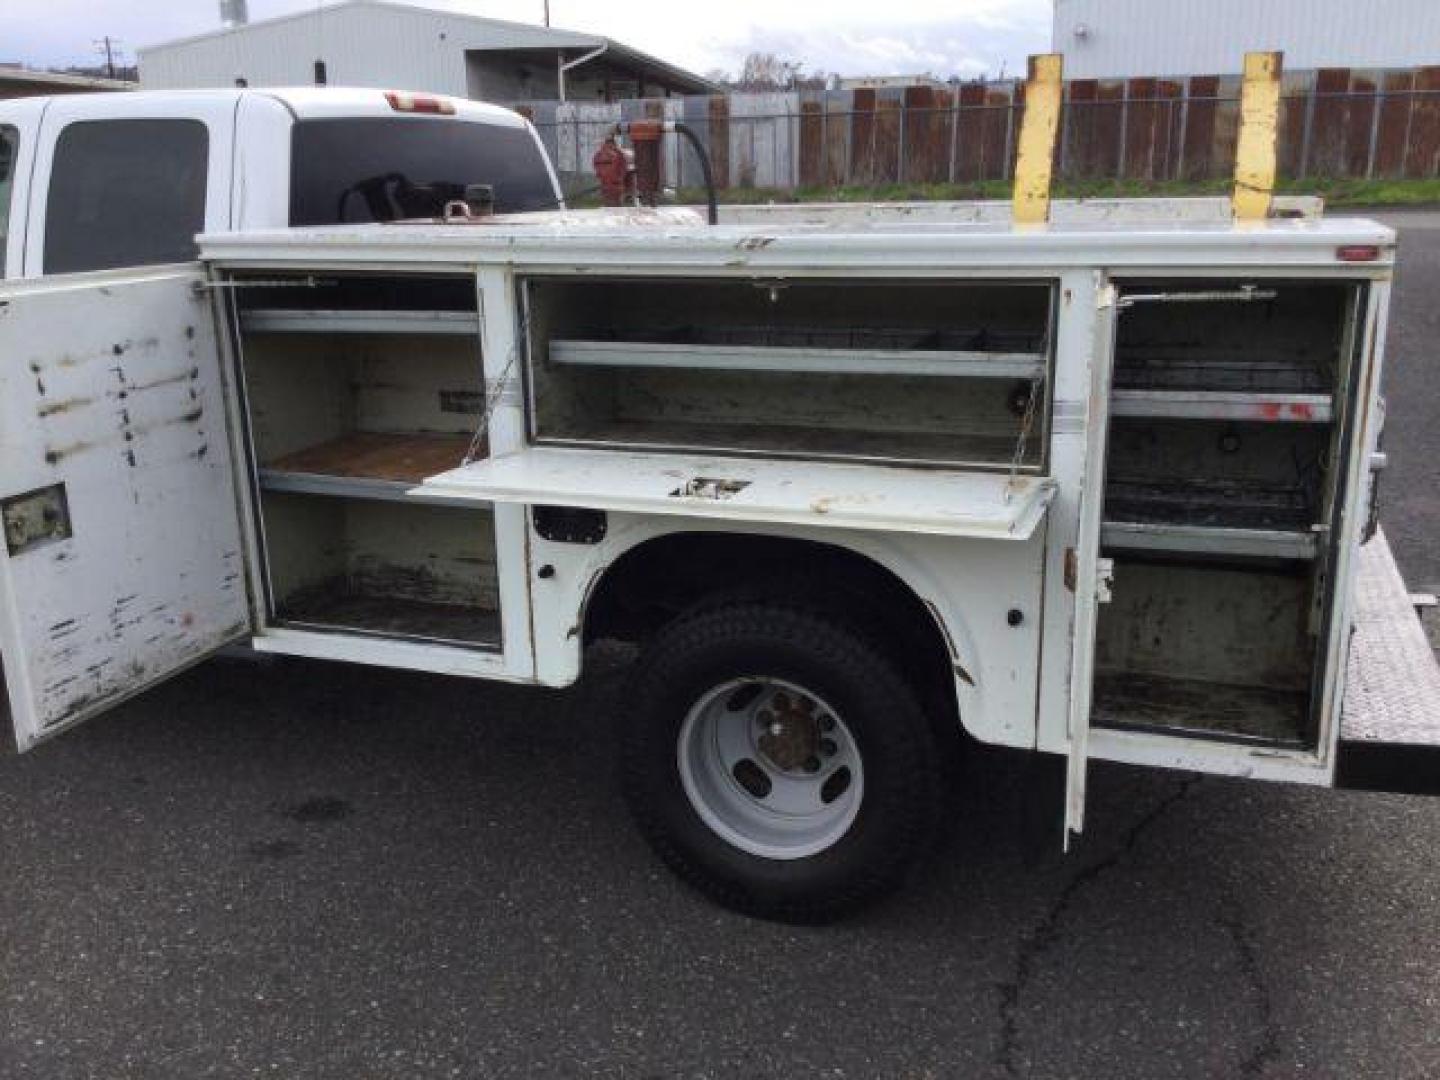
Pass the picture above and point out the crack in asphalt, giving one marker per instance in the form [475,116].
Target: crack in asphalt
[1036,943]
[1267,1049]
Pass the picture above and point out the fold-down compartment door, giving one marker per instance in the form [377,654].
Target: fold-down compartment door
[884,498]
[122,557]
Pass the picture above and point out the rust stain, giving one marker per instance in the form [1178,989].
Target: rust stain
[187,375]
[54,455]
[50,408]
[825,503]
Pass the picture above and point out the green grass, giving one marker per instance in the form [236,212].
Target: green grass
[1338,194]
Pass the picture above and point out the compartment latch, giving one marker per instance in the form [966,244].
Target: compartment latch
[1104,575]
[1104,579]
[36,517]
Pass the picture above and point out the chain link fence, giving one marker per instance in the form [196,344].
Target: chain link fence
[1144,130]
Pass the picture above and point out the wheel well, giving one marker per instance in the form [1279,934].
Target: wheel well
[657,580]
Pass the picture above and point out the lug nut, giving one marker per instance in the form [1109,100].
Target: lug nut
[828,747]
[812,764]
[827,723]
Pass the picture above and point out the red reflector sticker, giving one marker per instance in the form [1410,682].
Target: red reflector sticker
[419,103]
[1358,253]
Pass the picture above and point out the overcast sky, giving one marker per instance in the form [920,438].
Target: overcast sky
[852,37]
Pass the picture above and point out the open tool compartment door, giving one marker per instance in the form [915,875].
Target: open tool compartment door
[122,561]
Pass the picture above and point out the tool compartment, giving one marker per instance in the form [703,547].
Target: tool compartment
[935,372]
[356,388]
[1229,413]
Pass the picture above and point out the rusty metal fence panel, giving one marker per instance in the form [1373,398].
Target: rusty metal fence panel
[1336,123]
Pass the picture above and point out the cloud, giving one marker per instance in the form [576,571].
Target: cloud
[853,37]
[942,48]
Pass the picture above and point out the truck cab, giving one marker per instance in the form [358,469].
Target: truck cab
[102,181]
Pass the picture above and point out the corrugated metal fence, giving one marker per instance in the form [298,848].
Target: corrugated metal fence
[1335,123]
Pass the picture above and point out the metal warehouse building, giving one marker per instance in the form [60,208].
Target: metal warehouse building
[1108,39]
[388,43]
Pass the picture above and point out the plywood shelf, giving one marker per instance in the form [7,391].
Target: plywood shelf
[366,465]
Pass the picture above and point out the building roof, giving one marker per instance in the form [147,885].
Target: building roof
[516,35]
[57,82]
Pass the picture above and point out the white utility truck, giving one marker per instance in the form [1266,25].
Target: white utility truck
[853,478]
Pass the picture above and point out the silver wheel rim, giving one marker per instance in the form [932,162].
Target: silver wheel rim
[770,767]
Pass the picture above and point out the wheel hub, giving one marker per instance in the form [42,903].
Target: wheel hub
[771,767]
[791,732]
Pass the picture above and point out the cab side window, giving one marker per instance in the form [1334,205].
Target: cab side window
[9,146]
[125,193]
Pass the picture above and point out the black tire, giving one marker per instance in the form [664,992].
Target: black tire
[901,796]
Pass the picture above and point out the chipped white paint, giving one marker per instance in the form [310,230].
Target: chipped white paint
[111,387]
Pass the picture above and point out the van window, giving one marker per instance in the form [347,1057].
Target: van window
[9,147]
[384,169]
[126,193]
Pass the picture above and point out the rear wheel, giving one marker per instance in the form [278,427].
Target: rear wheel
[778,761]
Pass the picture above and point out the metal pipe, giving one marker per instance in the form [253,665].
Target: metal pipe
[654,128]
[572,64]
[713,210]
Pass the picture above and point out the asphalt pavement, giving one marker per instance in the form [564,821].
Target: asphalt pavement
[310,870]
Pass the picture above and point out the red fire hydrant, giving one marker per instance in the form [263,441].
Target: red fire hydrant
[615,169]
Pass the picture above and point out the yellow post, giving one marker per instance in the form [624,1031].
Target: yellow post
[1255,149]
[1035,157]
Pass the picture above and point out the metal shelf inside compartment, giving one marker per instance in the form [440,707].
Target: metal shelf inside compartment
[339,321]
[339,606]
[840,337]
[1158,369]
[786,440]
[1247,406]
[1215,504]
[1200,708]
[811,359]
[1210,541]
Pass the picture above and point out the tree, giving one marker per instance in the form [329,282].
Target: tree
[766,71]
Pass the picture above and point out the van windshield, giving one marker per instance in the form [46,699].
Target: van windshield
[390,168]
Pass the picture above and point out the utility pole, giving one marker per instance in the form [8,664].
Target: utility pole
[547,12]
[106,45]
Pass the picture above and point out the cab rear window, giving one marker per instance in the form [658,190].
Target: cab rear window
[125,193]
[388,169]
